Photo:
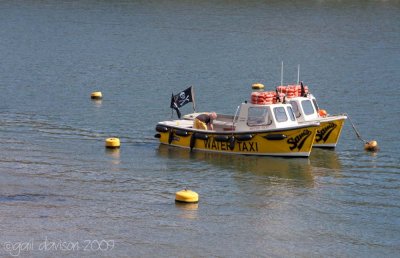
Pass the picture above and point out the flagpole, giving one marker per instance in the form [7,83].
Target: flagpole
[194,103]
[172,110]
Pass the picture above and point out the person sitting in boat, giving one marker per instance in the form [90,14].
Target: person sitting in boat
[204,121]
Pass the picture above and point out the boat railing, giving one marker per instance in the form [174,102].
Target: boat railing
[234,119]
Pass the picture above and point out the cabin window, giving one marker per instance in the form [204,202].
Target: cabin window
[307,107]
[295,108]
[280,114]
[258,116]
[315,104]
[291,114]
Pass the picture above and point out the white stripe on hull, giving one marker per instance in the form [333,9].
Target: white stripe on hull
[283,154]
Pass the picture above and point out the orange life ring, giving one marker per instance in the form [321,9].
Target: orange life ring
[281,89]
[290,95]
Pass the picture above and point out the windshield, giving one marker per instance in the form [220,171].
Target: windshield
[280,114]
[307,107]
[257,116]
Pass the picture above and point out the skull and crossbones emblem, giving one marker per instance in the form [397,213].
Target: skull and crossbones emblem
[183,98]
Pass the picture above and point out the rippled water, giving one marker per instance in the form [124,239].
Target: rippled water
[58,184]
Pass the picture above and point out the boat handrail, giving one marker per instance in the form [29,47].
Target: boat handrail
[234,117]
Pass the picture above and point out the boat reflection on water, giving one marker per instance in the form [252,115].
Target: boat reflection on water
[325,162]
[325,158]
[296,169]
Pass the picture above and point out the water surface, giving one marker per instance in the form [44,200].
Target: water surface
[59,184]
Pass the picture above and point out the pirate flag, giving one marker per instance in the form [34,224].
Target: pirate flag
[181,99]
[184,97]
[175,106]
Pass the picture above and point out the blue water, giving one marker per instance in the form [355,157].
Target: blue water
[58,184]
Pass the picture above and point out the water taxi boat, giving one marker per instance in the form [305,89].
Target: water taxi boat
[257,128]
[306,110]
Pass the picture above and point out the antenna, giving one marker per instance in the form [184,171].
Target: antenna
[298,74]
[282,74]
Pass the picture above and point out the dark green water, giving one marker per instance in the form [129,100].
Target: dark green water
[63,194]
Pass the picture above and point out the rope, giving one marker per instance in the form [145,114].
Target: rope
[355,130]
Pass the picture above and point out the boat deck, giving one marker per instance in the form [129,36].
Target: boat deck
[220,125]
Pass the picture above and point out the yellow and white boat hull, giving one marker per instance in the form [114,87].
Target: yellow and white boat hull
[329,130]
[290,142]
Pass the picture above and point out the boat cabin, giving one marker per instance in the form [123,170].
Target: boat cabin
[253,117]
[258,117]
[304,108]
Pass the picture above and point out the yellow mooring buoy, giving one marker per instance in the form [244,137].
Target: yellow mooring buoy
[371,146]
[257,86]
[112,143]
[186,196]
[96,95]
[368,146]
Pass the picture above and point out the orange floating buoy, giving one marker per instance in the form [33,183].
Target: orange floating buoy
[322,113]
[371,146]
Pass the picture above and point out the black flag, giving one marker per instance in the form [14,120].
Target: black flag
[184,97]
[303,92]
[175,106]
[181,99]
